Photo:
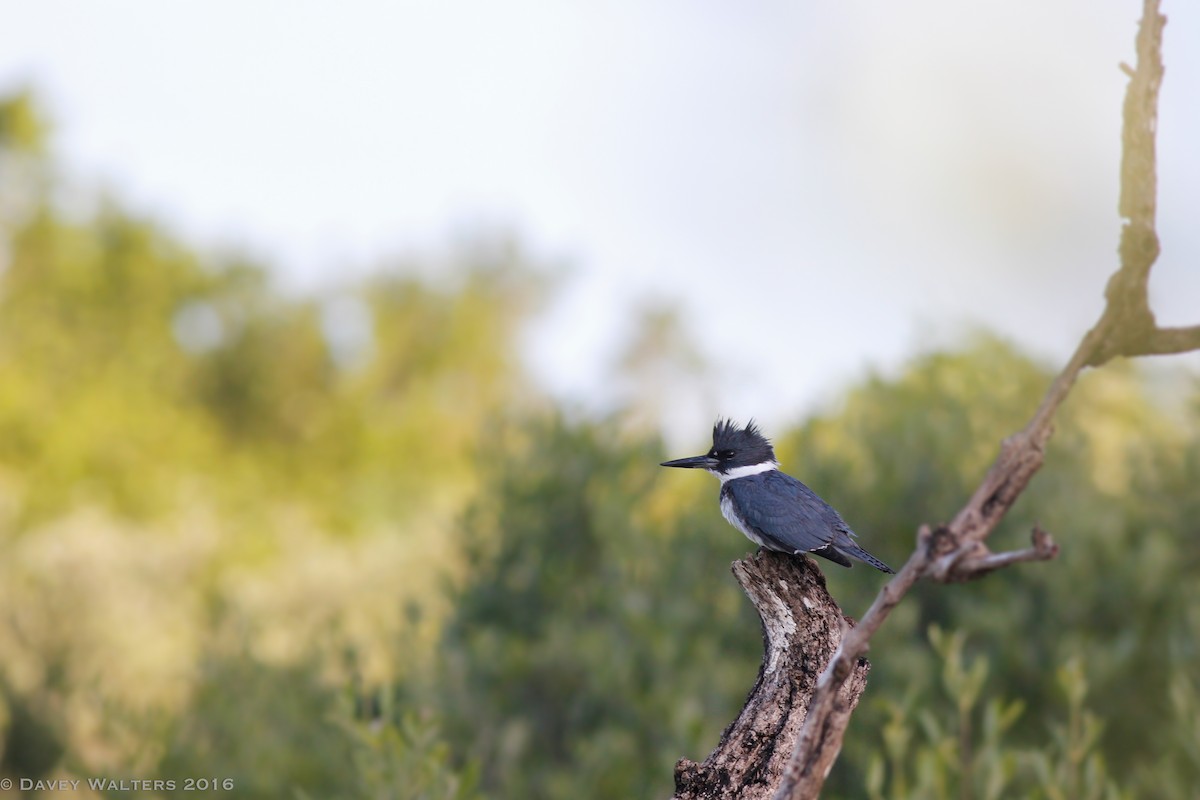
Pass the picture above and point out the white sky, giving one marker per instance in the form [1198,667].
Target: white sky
[818,186]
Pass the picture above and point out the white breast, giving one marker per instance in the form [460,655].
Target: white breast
[727,512]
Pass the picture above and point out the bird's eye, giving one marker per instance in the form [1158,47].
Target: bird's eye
[725,454]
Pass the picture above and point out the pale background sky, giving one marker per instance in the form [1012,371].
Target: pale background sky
[820,188]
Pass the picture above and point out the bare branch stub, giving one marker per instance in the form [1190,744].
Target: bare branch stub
[1165,341]
[1127,326]
[1139,174]
[1043,548]
[802,626]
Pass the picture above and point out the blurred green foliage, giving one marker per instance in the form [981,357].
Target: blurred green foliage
[342,547]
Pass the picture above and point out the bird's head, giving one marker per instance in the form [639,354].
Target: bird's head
[733,448]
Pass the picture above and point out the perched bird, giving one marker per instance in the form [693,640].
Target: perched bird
[773,509]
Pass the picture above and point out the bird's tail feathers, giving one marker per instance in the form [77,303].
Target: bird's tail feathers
[865,557]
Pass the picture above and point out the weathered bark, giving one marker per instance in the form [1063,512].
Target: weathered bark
[747,761]
[802,626]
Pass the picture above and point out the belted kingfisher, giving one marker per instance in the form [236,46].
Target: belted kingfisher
[773,509]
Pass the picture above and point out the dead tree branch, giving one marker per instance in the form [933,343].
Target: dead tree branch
[802,627]
[744,763]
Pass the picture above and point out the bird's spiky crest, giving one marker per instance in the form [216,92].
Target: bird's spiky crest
[728,435]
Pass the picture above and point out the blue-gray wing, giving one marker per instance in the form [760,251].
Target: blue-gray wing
[786,512]
[788,516]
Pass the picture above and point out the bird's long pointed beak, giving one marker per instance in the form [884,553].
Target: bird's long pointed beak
[695,462]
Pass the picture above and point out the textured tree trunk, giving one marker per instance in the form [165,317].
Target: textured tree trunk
[802,627]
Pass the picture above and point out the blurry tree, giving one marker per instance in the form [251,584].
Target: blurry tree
[293,739]
[585,616]
[148,356]
[406,760]
[23,127]
[190,455]
[121,348]
[24,166]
